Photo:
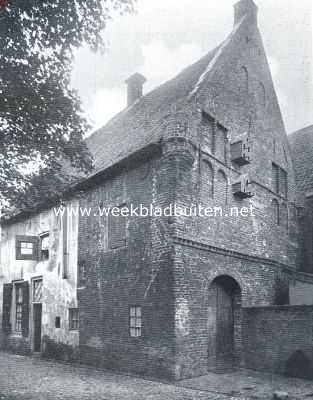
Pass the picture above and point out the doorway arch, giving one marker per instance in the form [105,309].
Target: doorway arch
[224,323]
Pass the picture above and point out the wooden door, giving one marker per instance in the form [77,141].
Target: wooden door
[37,327]
[224,328]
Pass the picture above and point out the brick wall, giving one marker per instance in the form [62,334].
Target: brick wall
[136,273]
[195,268]
[306,237]
[278,339]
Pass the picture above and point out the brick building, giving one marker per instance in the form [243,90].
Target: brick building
[166,295]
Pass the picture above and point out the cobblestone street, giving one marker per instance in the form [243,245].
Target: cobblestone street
[36,379]
[32,378]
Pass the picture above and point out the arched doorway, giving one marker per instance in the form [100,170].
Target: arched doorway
[224,323]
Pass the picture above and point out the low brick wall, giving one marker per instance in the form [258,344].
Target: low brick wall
[279,339]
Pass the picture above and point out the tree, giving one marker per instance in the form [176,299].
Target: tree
[41,119]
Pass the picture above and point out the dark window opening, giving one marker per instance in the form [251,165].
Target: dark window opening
[44,246]
[58,322]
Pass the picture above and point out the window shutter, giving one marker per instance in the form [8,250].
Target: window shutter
[283,182]
[275,178]
[7,301]
[117,231]
[25,309]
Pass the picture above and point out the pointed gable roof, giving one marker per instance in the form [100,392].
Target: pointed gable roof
[137,126]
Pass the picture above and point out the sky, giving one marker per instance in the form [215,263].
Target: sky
[165,36]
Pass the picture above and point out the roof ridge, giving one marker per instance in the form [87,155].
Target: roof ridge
[213,61]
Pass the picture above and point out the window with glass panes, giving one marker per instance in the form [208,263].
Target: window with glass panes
[18,308]
[73,319]
[135,321]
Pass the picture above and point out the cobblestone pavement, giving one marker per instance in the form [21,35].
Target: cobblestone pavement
[29,378]
[252,385]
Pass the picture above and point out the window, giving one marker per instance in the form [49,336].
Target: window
[279,180]
[275,178]
[26,247]
[18,308]
[37,291]
[117,230]
[15,315]
[283,182]
[135,321]
[44,246]
[73,319]
[57,322]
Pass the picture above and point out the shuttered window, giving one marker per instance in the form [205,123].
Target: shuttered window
[7,302]
[279,180]
[275,178]
[117,231]
[283,182]
[18,308]
[18,315]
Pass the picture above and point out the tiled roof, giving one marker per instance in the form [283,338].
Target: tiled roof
[301,143]
[135,127]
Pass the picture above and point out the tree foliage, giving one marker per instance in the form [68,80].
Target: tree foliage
[41,119]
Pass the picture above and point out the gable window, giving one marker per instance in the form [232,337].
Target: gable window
[117,230]
[135,322]
[26,247]
[44,246]
[279,180]
[73,319]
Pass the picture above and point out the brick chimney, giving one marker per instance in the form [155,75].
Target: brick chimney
[134,87]
[248,8]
